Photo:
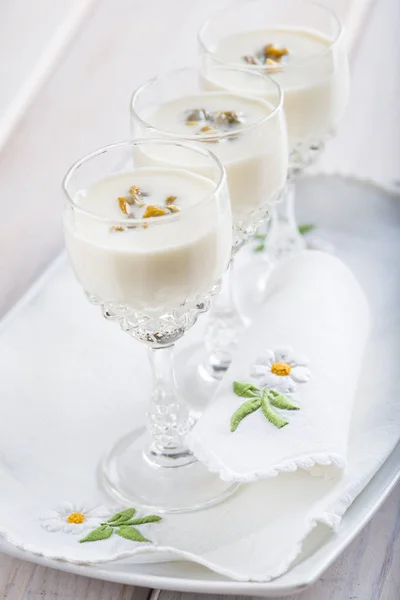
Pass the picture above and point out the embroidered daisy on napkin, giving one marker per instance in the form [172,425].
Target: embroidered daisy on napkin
[281,369]
[277,373]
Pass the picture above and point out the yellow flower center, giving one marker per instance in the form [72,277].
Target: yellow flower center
[76,518]
[281,369]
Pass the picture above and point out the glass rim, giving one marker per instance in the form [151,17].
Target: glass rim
[261,68]
[212,136]
[138,142]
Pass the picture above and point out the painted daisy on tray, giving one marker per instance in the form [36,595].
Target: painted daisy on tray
[73,518]
[280,370]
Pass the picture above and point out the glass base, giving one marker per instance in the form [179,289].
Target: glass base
[137,475]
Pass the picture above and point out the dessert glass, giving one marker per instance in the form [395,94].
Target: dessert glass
[254,152]
[302,46]
[153,276]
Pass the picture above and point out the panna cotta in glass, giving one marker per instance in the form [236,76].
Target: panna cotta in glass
[300,45]
[150,236]
[314,76]
[149,245]
[247,133]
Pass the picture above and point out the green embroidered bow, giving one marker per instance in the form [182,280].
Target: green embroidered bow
[122,524]
[265,399]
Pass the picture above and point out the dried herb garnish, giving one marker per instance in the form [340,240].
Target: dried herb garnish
[154,211]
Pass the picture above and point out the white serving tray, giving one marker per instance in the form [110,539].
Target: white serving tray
[347,205]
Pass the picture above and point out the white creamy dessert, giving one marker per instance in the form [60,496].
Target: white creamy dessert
[311,70]
[124,254]
[246,134]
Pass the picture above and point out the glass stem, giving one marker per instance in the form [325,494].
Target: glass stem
[168,417]
[283,237]
[223,328]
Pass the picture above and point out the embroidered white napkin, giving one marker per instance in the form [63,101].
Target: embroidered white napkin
[286,401]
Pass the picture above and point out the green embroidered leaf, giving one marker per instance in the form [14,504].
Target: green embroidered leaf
[281,401]
[245,409]
[101,533]
[259,248]
[270,414]
[260,236]
[143,520]
[304,229]
[121,517]
[130,533]
[245,390]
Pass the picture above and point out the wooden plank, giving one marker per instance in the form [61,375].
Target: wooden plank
[20,580]
[368,140]
[33,36]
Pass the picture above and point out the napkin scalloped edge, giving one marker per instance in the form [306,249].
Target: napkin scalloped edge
[215,464]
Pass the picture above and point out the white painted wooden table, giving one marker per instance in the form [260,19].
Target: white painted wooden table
[83,104]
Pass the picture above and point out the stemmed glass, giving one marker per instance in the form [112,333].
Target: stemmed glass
[248,134]
[301,45]
[153,275]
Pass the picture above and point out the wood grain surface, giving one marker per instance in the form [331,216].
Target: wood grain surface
[83,105]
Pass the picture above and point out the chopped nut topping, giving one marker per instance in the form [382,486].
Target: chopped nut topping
[250,60]
[229,116]
[136,196]
[173,208]
[154,211]
[123,204]
[117,228]
[270,51]
[206,128]
[195,115]
[265,55]
[213,122]
[135,190]
[273,64]
[170,200]
[211,130]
